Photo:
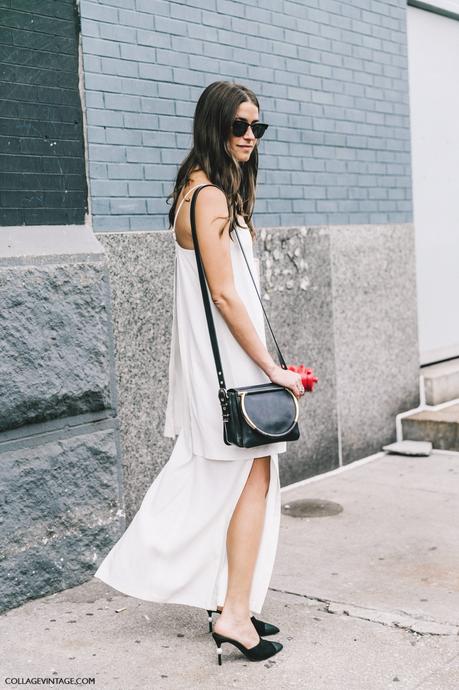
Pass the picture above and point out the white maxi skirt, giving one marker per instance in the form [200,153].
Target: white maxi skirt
[174,550]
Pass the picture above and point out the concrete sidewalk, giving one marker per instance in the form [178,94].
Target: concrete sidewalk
[366,599]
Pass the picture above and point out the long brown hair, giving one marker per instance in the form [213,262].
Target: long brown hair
[213,118]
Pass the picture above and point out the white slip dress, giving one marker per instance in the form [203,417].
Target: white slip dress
[174,549]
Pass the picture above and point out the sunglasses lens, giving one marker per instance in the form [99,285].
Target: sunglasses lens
[240,128]
[259,129]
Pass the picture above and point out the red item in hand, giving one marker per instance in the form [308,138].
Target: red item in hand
[307,377]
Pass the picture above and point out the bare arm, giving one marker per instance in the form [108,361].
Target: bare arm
[211,215]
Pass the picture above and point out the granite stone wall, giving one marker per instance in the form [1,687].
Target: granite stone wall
[61,500]
[340,299]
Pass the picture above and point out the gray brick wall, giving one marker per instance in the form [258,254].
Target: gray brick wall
[42,172]
[332,81]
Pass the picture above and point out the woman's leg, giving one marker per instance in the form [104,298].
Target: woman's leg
[242,545]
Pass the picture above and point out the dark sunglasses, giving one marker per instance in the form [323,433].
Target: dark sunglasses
[240,127]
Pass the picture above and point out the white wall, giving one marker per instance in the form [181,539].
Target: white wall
[433,52]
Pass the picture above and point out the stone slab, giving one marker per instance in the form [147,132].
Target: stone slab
[296,282]
[409,447]
[55,325]
[440,427]
[140,265]
[54,333]
[375,332]
[60,511]
[441,381]
[37,244]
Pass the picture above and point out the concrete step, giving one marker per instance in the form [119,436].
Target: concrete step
[441,381]
[441,427]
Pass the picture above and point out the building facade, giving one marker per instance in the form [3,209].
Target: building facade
[97,113]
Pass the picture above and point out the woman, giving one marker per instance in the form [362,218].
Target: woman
[206,532]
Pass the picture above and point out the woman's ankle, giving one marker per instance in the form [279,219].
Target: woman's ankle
[237,610]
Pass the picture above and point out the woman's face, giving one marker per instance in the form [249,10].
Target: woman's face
[242,147]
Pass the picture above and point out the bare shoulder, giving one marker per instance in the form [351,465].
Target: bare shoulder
[212,192]
[211,201]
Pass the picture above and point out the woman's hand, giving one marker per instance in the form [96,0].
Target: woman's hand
[289,379]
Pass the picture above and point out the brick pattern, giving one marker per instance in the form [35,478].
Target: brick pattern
[42,171]
[332,81]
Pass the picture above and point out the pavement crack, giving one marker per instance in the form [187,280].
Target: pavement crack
[420,625]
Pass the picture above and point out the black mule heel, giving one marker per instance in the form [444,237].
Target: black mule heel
[261,651]
[262,628]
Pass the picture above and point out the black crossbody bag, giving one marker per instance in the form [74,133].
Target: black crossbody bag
[252,415]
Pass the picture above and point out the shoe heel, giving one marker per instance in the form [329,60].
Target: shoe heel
[259,652]
[209,618]
[219,647]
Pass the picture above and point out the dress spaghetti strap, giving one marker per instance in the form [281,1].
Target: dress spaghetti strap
[180,204]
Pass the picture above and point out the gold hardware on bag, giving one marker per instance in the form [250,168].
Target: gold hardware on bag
[253,425]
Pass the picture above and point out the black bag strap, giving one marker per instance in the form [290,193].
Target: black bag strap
[279,353]
[205,295]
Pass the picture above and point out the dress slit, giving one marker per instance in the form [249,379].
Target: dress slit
[174,548]
[221,579]
[267,548]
